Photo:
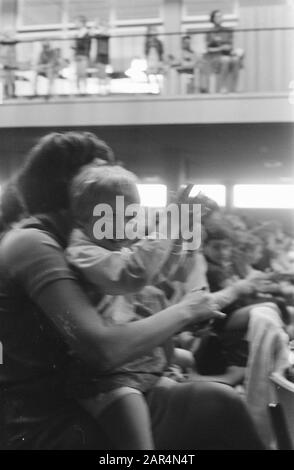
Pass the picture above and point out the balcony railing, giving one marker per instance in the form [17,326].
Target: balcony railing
[262,60]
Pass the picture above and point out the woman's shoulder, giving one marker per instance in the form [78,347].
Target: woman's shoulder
[24,239]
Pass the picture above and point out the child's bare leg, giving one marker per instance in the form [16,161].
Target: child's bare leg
[126,422]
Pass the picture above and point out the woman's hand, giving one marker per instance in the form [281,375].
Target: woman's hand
[201,307]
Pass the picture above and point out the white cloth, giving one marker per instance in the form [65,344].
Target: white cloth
[268,353]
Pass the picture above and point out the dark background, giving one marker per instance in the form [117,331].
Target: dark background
[220,153]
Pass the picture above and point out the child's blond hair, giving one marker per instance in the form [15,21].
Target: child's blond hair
[99,184]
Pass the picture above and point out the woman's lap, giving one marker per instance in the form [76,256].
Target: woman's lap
[200,415]
[184,416]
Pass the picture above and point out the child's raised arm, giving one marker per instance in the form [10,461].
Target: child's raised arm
[120,272]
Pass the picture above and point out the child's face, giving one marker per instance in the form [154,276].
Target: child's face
[117,219]
[219,251]
[253,254]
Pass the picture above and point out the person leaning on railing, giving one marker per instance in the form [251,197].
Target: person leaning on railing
[50,63]
[9,63]
[220,58]
[154,51]
[186,65]
[82,53]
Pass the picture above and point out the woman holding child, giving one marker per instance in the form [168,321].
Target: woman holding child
[70,368]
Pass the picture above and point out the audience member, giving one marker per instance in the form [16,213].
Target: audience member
[101,35]
[154,51]
[82,53]
[9,61]
[221,58]
[48,65]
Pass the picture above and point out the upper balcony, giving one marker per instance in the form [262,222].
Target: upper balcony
[123,86]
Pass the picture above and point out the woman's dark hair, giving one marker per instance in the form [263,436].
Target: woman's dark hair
[212,15]
[45,179]
[12,205]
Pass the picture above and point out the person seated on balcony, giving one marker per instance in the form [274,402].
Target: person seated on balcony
[9,63]
[186,65]
[101,35]
[154,51]
[46,66]
[82,53]
[220,57]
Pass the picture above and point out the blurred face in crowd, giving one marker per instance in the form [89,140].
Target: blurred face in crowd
[81,22]
[253,254]
[218,251]
[186,43]
[217,18]
[275,242]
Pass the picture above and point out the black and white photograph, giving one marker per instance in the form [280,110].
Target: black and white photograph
[146,228]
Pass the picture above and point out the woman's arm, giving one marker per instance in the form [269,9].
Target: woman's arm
[107,347]
[36,263]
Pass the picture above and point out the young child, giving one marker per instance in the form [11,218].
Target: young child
[116,273]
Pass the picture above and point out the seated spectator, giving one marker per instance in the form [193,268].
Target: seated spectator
[82,53]
[102,37]
[9,62]
[154,51]
[48,65]
[247,254]
[186,65]
[220,58]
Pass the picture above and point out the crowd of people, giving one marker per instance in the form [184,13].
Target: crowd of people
[111,343]
[50,61]
[91,50]
[220,58]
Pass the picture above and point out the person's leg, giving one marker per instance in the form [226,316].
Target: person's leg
[201,416]
[234,74]
[79,67]
[11,83]
[124,419]
[127,423]
[204,72]
[83,78]
[50,78]
[36,79]
[225,64]
[5,85]
[233,376]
